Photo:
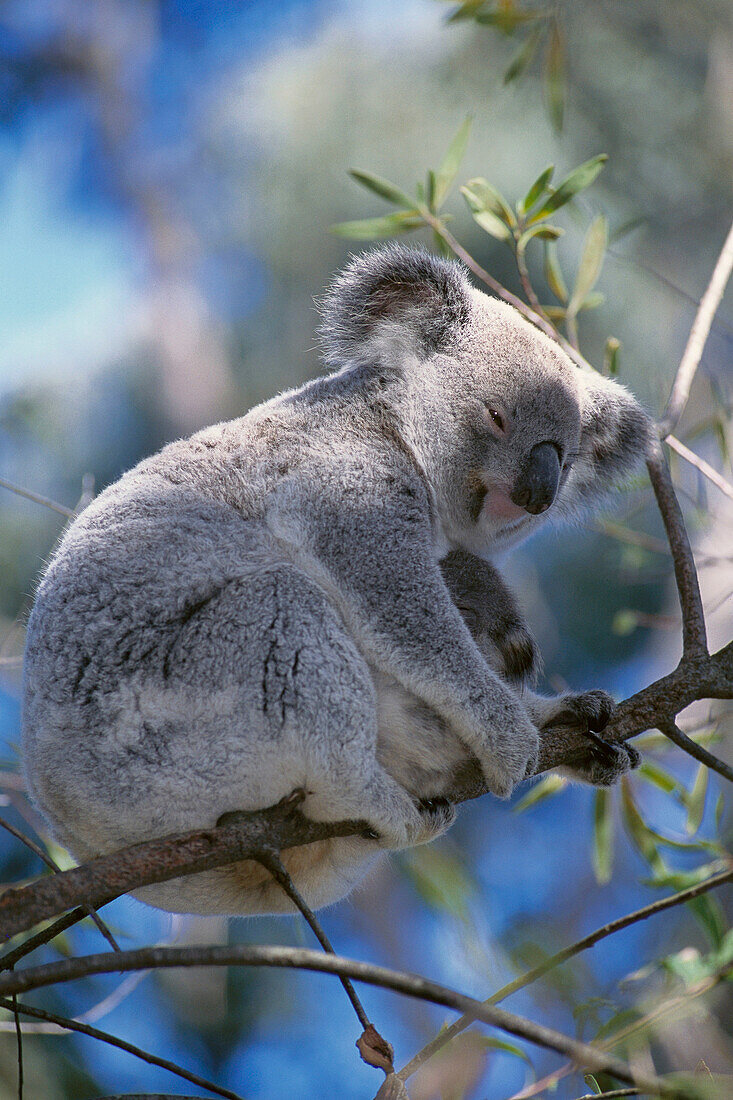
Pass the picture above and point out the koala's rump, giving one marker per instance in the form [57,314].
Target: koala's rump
[171,678]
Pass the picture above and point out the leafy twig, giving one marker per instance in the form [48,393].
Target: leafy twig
[559,957]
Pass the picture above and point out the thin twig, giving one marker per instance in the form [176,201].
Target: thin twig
[8,961]
[112,1040]
[410,985]
[501,291]
[663,1009]
[671,730]
[700,464]
[272,862]
[526,282]
[697,338]
[612,1095]
[53,865]
[37,498]
[694,636]
[562,956]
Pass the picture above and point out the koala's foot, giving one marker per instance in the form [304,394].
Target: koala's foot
[589,712]
[512,759]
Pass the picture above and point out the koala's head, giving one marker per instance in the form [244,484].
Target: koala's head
[508,430]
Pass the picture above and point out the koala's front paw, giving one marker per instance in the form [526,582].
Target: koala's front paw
[512,759]
[589,712]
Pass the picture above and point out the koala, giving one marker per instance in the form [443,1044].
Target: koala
[236,616]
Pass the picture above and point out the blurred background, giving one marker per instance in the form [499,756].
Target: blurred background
[169,170]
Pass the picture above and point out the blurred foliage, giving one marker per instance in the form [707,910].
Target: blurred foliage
[216,143]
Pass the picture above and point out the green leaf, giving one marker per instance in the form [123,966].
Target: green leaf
[537,189]
[546,788]
[370,229]
[591,261]
[623,230]
[508,21]
[523,56]
[711,917]
[592,1083]
[467,10]
[440,879]
[555,77]
[555,313]
[553,273]
[696,801]
[641,835]
[542,232]
[593,301]
[653,773]
[450,164]
[506,1047]
[611,357]
[482,195]
[382,187]
[602,836]
[719,807]
[582,177]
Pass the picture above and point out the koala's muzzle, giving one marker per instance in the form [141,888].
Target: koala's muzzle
[536,486]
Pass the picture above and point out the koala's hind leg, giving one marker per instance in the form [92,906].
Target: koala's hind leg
[603,762]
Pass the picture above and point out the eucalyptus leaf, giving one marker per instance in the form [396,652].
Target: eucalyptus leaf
[507,1048]
[640,833]
[382,187]
[555,76]
[602,836]
[537,189]
[507,21]
[582,177]
[546,788]
[542,232]
[592,301]
[370,229]
[556,314]
[523,56]
[553,273]
[467,10]
[696,801]
[611,357]
[450,164]
[591,261]
[592,1083]
[482,195]
[657,775]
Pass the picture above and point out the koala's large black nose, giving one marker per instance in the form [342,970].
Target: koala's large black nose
[537,484]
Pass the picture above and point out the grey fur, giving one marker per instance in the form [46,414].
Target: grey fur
[218,626]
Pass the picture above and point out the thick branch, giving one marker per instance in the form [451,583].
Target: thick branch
[410,985]
[100,880]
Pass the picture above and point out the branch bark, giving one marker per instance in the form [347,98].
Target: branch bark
[411,985]
[100,880]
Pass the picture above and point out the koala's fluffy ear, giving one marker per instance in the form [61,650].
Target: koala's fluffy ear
[614,438]
[391,302]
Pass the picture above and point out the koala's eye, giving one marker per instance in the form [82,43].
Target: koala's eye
[496,419]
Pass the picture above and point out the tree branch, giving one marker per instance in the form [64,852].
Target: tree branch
[411,985]
[697,338]
[694,637]
[112,1040]
[100,880]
